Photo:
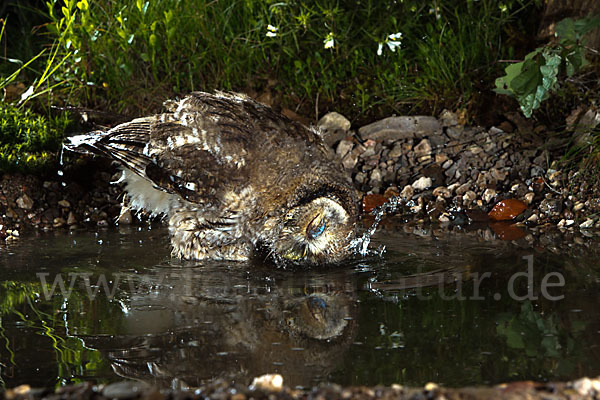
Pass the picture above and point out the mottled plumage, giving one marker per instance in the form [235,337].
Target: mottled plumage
[231,175]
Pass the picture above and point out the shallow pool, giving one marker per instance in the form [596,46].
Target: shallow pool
[454,309]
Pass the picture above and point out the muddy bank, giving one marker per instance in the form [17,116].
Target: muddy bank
[272,389]
[445,172]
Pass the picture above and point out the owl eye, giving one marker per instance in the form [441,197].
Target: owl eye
[316,227]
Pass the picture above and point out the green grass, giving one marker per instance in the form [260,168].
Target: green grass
[130,55]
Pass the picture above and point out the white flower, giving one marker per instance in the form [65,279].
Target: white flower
[329,42]
[393,41]
[271,31]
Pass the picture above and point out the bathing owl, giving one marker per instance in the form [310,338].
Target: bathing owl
[230,175]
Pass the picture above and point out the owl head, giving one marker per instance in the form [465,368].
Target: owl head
[318,231]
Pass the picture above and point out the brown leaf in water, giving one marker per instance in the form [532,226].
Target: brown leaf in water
[507,209]
[507,231]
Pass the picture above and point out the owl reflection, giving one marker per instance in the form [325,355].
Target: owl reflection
[231,176]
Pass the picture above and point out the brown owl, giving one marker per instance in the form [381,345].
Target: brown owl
[231,175]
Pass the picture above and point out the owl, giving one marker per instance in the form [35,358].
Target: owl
[231,176]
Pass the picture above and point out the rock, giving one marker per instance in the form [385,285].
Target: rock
[422,183]
[462,189]
[405,127]
[64,204]
[551,207]
[578,206]
[447,164]
[344,147]
[455,132]
[442,191]
[268,382]
[488,195]
[58,222]
[71,220]
[25,202]
[528,198]
[506,126]
[408,192]
[441,159]
[588,223]
[125,390]
[469,197]
[396,151]
[423,151]
[334,127]
[448,118]
[375,176]
[533,218]
[350,160]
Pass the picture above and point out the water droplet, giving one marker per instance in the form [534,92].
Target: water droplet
[60,172]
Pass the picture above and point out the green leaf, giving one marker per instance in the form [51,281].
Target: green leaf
[565,29]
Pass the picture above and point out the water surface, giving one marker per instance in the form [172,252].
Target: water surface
[453,309]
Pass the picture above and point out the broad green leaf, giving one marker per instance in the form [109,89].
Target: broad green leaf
[565,29]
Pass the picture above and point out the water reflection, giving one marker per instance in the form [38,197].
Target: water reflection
[198,323]
[455,309]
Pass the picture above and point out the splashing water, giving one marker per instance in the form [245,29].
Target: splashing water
[361,244]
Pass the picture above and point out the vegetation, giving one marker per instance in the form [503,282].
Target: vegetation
[530,81]
[28,142]
[130,55]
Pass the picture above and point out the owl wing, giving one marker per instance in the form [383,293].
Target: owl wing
[176,158]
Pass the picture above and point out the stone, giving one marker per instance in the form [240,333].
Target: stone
[455,132]
[350,160]
[25,202]
[441,159]
[550,207]
[334,127]
[268,382]
[469,197]
[396,151]
[528,198]
[578,206]
[442,191]
[125,217]
[408,192]
[422,183]
[462,189]
[488,195]
[64,204]
[375,176]
[344,147]
[58,222]
[404,127]
[71,219]
[423,150]
[447,164]
[533,218]
[588,223]
[448,118]
[125,390]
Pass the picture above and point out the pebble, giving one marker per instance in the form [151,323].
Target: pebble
[25,202]
[422,183]
[488,195]
[64,204]
[125,389]
[408,192]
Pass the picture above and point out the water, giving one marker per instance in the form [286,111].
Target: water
[454,309]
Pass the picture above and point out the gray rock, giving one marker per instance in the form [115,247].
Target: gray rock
[448,118]
[344,147]
[396,128]
[375,176]
[350,160]
[396,151]
[25,202]
[455,132]
[551,207]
